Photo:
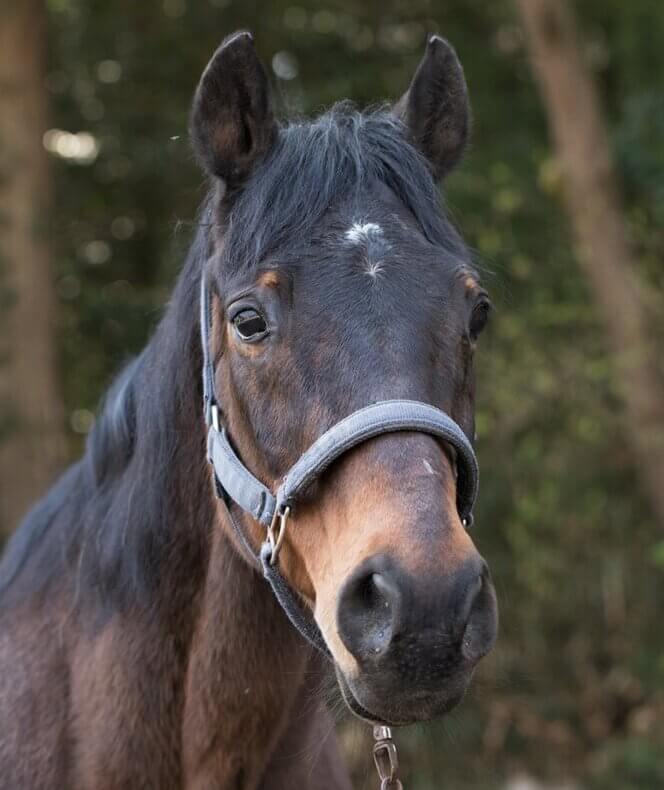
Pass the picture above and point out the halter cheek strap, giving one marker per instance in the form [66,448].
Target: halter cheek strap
[235,483]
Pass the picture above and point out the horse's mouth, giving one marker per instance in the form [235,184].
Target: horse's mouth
[420,706]
[359,710]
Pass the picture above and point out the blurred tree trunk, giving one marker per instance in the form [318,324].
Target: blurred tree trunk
[31,431]
[593,201]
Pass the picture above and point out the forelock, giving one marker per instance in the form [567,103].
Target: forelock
[315,166]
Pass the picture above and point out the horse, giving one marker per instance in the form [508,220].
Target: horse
[140,643]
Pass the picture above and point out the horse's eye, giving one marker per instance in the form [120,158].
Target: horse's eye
[480,316]
[250,325]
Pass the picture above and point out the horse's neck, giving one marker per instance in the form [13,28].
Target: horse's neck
[245,669]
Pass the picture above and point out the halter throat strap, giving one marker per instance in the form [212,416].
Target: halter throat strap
[235,483]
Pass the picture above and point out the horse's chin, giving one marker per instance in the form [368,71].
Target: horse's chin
[413,708]
[356,708]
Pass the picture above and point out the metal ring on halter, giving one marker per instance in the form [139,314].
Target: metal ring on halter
[277,539]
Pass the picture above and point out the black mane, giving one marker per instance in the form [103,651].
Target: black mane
[112,514]
[114,518]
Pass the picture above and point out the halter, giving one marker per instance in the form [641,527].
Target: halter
[235,483]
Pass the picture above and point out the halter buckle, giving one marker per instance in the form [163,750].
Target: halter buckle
[276,531]
[214,416]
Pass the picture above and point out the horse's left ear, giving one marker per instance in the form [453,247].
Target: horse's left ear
[232,124]
[435,108]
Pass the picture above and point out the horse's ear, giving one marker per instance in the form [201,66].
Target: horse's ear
[435,108]
[232,124]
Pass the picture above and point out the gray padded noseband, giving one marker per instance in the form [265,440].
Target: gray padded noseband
[235,483]
[382,417]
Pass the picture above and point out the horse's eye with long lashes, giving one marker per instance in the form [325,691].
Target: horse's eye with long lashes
[250,325]
[478,319]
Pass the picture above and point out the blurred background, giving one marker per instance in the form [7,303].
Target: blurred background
[562,199]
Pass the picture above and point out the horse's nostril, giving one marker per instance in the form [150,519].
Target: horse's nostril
[481,623]
[368,611]
[471,593]
[381,591]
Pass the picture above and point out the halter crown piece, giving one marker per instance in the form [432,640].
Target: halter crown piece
[235,483]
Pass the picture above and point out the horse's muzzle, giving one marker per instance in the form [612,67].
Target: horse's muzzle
[416,640]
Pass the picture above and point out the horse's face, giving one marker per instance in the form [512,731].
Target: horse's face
[340,284]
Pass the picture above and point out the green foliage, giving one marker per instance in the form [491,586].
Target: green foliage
[575,687]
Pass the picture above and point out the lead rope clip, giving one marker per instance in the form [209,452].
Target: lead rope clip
[386,758]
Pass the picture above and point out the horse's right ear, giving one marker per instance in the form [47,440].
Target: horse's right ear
[232,124]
